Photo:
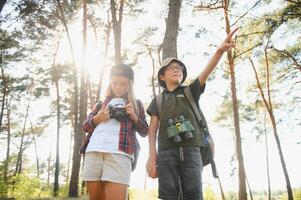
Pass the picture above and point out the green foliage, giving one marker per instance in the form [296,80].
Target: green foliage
[231,196]
[136,194]
[209,194]
[27,187]
[3,188]
[297,194]
[63,190]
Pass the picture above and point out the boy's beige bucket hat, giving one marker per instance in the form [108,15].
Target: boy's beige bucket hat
[165,63]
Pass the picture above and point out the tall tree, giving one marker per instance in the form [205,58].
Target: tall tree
[284,62]
[35,147]
[2,3]
[242,193]
[224,5]
[55,76]
[117,22]
[83,86]
[73,186]
[267,99]
[105,56]
[19,162]
[6,162]
[169,45]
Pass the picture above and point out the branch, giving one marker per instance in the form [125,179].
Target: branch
[211,6]
[159,52]
[253,33]
[246,12]
[120,11]
[241,53]
[295,2]
[295,61]
[259,85]
[268,75]
[153,66]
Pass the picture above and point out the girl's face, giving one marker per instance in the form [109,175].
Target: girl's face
[120,85]
[173,74]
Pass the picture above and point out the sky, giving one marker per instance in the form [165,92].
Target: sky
[195,53]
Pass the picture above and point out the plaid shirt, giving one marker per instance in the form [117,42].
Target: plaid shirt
[127,134]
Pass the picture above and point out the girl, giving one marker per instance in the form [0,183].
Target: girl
[111,141]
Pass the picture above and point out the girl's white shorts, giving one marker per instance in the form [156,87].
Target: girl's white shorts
[110,167]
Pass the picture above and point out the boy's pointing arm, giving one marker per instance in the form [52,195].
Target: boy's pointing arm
[227,45]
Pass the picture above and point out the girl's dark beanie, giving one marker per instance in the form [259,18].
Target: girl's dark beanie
[123,70]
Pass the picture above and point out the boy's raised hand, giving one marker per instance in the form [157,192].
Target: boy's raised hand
[228,43]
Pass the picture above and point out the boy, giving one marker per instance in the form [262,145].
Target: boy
[178,163]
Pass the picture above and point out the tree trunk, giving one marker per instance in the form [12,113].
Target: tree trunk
[269,107]
[249,187]
[117,28]
[267,158]
[169,45]
[4,93]
[73,187]
[18,169]
[55,78]
[57,157]
[108,33]
[83,87]
[2,3]
[221,189]
[153,69]
[69,159]
[35,148]
[273,121]
[287,180]
[49,165]
[6,163]
[242,192]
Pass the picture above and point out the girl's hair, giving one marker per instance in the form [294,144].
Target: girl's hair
[130,96]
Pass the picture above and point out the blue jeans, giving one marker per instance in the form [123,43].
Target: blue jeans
[180,174]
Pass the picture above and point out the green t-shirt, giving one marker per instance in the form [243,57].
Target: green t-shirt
[174,104]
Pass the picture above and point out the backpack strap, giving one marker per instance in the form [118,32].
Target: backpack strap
[197,112]
[158,100]
[203,124]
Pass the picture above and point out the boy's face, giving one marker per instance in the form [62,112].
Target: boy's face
[120,85]
[173,74]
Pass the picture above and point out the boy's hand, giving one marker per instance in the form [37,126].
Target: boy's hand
[102,115]
[151,166]
[228,43]
[129,109]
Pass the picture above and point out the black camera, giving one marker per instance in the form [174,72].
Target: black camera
[179,129]
[117,113]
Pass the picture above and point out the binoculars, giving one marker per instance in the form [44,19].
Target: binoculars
[179,129]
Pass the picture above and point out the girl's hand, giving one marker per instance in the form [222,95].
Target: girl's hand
[102,115]
[228,43]
[151,166]
[129,109]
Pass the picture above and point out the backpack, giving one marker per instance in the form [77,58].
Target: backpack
[208,150]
